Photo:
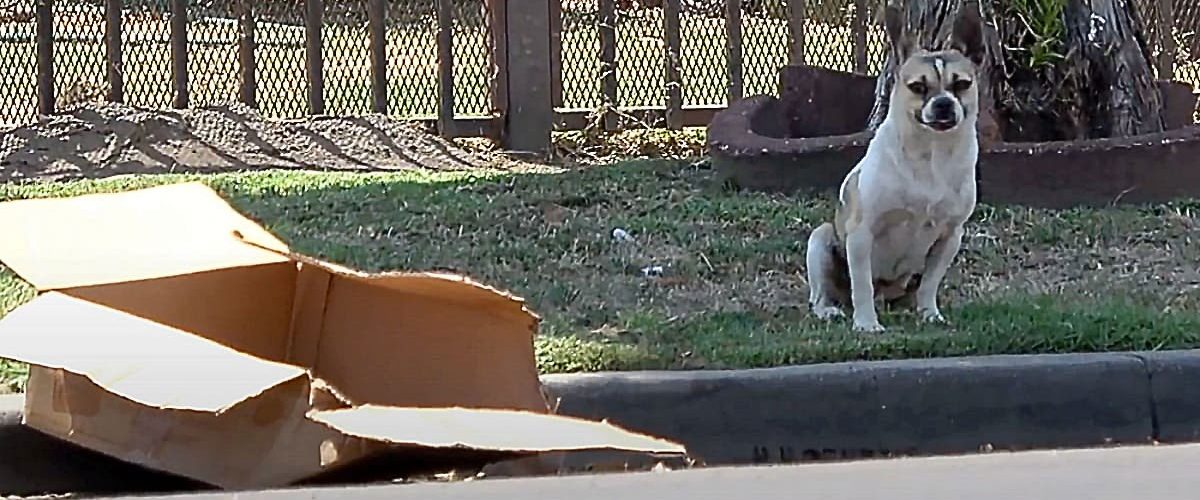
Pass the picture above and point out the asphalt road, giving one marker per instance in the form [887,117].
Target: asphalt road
[1150,473]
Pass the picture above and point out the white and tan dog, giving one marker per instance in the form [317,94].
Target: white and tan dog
[899,224]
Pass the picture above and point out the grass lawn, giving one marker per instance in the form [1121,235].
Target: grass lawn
[732,292]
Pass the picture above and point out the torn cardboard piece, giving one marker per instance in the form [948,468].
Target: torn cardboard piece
[173,332]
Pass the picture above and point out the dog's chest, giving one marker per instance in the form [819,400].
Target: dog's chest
[907,229]
[914,194]
[932,205]
[933,188]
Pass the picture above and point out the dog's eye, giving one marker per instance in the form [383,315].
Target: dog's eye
[960,86]
[917,87]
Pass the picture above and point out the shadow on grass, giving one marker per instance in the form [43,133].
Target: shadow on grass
[708,278]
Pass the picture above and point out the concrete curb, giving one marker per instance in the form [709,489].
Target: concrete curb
[794,414]
[34,464]
[915,407]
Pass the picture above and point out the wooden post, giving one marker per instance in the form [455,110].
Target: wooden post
[531,113]
[674,81]
[44,13]
[497,10]
[733,49]
[556,88]
[445,52]
[113,65]
[608,61]
[179,53]
[377,29]
[858,25]
[314,19]
[247,45]
[1166,36]
[797,16]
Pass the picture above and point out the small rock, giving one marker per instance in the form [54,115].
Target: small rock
[652,271]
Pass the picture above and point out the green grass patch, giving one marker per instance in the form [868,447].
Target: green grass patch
[732,289]
[13,292]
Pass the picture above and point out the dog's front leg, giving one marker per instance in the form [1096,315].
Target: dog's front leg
[936,265]
[859,243]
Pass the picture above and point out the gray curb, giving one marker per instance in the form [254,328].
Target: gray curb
[793,414]
[915,407]
[34,464]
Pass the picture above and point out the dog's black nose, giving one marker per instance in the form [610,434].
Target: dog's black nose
[943,108]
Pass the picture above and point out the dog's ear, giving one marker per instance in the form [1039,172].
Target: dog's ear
[893,20]
[968,32]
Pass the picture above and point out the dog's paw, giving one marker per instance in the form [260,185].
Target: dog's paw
[868,327]
[933,316]
[827,313]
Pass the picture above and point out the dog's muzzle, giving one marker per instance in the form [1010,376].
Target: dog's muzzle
[942,114]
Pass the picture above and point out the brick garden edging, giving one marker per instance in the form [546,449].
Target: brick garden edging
[810,137]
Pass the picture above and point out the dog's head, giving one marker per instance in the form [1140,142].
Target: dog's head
[937,89]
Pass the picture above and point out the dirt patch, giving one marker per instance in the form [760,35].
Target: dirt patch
[105,139]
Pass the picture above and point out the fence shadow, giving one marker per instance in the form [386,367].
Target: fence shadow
[105,140]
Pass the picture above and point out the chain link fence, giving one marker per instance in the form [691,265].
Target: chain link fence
[279,56]
[215,33]
[1187,55]
[218,31]
[765,40]
[18,95]
[79,55]
[704,60]
[346,52]
[582,68]
[146,55]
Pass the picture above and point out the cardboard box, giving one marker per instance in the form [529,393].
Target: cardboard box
[172,332]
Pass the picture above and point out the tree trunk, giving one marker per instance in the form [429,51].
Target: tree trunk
[1084,72]
[1106,40]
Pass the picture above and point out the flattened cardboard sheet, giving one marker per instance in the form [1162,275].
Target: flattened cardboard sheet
[263,441]
[97,239]
[353,329]
[246,308]
[434,352]
[137,359]
[498,430]
[176,333]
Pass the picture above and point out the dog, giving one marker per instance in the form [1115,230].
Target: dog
[901,213]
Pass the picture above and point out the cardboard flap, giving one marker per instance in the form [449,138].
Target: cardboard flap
[151,233]
[442,286]
[474,349]
[495,430]
[135,358]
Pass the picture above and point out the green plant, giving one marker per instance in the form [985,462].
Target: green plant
[1041,32]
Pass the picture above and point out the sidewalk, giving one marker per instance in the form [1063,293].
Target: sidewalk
[1145,473]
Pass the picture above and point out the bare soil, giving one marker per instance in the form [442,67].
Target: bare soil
[106,139]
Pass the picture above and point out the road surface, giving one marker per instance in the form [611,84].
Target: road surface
[1144,473]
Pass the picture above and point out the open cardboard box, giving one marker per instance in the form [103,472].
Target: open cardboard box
[172,332]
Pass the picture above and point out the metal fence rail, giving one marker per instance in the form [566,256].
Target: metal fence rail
[665,62]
